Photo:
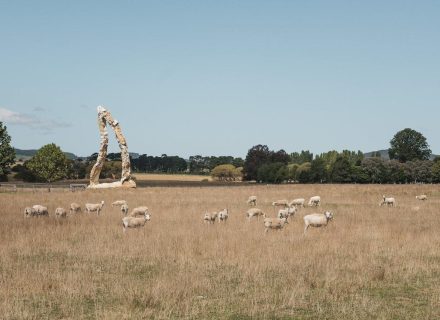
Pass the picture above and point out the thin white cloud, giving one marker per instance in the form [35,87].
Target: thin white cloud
[45,126]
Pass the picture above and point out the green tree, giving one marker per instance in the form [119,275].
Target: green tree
[435,170]
[275,172]
[225,172]
[318,171]
[409,145]
[255,158]
[7,153]
[49,163]
[341,170]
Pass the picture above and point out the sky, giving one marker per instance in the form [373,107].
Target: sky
[218,77]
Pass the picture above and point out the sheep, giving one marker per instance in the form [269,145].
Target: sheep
[124,209]
[90,207]
[317,220]
[134,222]
[29,212]
[274,223]
[297,202]
[60,213]
[210,217]
[223,215]
[283,203]
[255,212]
[119,203]
[387,201]
[422,197]
[286,213]
[138,211]
[314,201]
[252,200]
[74,208]
[40,210]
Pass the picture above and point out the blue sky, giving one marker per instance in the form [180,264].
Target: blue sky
[217,77]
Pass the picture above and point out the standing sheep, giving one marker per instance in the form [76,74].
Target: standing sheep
[119,203]
[91,207]
[134,222]
[422,197]
[40,210]
[317,220]
[124,209]
[74,208]
[29,212]
[314,201]
[388,201]
[297,202]
[138,211]
[286,213]
[255,212]
[252,201]
[60,213]
[223,215]
[210,217]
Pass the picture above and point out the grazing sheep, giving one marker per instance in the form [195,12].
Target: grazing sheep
[90,207]
[388,201]
[275,223]
[317,219]
[124,209]
[286,212]
[134,222]
[315,201]
[74,208]
[119,203]
[138,211]
[223,215]
[29,212]
[40,210]
[210,217]
[60,213]
[255,212]
[283,203]
[297,202]
[422,197]
[252,200]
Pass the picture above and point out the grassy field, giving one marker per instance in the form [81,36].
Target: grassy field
[371,262]
[170,177]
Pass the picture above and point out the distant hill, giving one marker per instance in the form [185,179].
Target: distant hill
[384,154]
[27,154]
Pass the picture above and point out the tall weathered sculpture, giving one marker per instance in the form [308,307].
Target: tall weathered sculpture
[105,117]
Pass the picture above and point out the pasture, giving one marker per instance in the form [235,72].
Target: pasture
[370,262]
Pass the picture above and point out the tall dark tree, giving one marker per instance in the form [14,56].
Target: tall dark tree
[255,158]
[318,171]
[341,170]
[409,145]
[7,153]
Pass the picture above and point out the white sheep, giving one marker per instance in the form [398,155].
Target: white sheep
[281,203]
[297,202]
[314,201]
[29,212]
[60,213]
[274,223]
[210,217]
[135,222]
[74,208]
[91,207]
[286,212]
[317,219]
[223,215]
[252,200]
[255,212]
[138,211]
[40,210]
[118,203]
[388,201]
[422,197]
[124,209]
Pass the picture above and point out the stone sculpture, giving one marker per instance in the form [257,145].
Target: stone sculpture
[105,117]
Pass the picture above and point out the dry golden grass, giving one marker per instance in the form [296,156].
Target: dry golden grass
[369,263]
[170,177]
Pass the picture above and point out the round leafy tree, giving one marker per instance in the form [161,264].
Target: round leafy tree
[7,153]
[409,145]
[49,163]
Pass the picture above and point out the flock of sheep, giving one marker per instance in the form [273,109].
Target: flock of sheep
[136,218]
[140,215]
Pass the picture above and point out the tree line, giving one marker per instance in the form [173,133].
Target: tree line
[409,163]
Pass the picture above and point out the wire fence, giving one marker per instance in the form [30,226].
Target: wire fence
[41,187]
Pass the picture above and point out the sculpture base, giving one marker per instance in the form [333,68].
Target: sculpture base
[112,185]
